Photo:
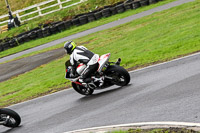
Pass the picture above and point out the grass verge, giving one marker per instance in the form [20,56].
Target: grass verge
[155,38]
[78,29]
[162,130]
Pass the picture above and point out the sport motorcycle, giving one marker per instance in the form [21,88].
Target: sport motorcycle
[108,74]
[9,118]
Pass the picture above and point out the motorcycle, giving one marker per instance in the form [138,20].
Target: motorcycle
[108,74]
[9,118]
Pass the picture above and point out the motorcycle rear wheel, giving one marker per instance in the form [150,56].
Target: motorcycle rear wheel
[14,119]
[82,90]
[120,76]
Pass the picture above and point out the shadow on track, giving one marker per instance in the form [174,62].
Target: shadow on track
[12,130]
[103,93]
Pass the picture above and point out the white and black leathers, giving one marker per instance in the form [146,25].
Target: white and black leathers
[82,55]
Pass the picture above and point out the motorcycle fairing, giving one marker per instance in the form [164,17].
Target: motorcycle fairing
[102,61]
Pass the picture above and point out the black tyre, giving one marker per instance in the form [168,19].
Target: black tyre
[113,10]
[46,31]
[32,35]
[61,26]
[68,24]
[83,19]
[76,22]
[106,12]
[136,4]
[20,40]
[12,118]
[39,33]
[26,38]
[128,6]
[120,8]
[13,43]
[6,45]
[1,47]
[82,90]
[54,29]
[120,76]
[98,15]
[152,1]
[144,2]
[128,1]
[91,17]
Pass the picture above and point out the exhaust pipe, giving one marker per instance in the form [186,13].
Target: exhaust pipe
[118,61]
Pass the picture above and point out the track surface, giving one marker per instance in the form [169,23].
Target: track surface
[23,65]
[20,66]
[166,92]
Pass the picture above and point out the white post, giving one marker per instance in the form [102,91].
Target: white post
[60,4]
[39,11]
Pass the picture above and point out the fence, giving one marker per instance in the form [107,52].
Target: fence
[3,28]
[80,19]
[39,9]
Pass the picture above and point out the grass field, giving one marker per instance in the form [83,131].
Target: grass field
[156,38]
[16,5]
[20,4]
[74,30]
[63,14]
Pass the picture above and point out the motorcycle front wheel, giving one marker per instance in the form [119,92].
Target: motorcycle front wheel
[82,90]
[119,76]
[10,117]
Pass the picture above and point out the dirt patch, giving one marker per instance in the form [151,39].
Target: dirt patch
[14,68]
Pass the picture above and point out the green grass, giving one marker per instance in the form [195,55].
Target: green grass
[161,130]
[16,5]
[63,14]
[156,38]
[74,29]
[47,10]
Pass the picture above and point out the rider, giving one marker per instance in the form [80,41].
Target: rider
[80,54]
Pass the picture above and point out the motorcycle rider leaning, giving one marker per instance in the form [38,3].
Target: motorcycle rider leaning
[80,54]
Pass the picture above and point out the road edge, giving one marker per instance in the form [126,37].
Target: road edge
[142,125]
[193,55]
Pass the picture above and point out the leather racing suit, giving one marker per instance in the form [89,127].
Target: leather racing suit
[82,55]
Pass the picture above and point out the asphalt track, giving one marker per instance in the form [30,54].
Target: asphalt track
[23,65]
[165,92]
[10,69]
